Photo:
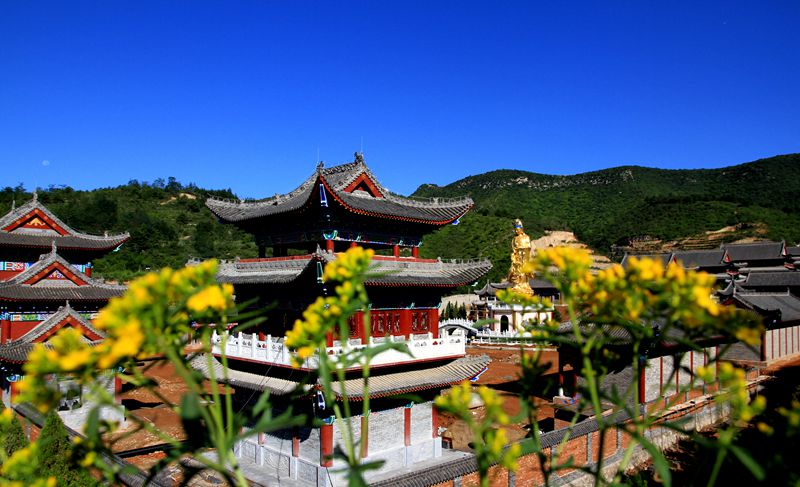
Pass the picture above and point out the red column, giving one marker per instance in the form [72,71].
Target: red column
[407,425]
[642,382]
[415,252]
[396,250]
[329,245]
[295,443]
[117,389]
[365,436]
[435,422]
[329,339]
[405,322]
[326,445]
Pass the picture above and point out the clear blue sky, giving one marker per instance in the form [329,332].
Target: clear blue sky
[244,94]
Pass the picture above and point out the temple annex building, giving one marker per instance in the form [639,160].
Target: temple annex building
[46,284]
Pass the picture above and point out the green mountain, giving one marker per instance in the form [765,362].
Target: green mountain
[169,223]
[613,206]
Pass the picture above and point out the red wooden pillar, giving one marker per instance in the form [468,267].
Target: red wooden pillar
[365,435]
[295,442]
[396,250]
[326,445]
[358,321]
[329,245]
[435,421]
[433,322]
[405,322]
[642,382]
[117,389]
[415,252]
[407,425]
[329,339]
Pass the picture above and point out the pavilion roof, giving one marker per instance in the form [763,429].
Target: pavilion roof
[694,259]
[17,350]
[32,284]
[749,252]
[786,303]
[15,231]
[344,184]
[782,278]
[380,384]
[386,271]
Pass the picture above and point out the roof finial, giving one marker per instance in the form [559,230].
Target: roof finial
[53,249]
[13,204]
[320,165]
[35,195]
[67,305]
[358,158]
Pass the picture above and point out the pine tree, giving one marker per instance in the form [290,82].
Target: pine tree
[12,437]
[462,311]
[55,451]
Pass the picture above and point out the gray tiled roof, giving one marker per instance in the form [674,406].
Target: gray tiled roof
[491,288]
[32,238]
[772,279]
[786,303]
[664,258]
[380,385]
[336,179]
[693,259]
[15,288]
[387,271]
[18,350]
[754,251]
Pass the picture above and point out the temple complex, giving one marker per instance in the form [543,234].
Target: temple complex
[41,292]
[297,234]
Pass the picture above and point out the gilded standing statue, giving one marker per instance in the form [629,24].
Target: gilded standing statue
[520,254]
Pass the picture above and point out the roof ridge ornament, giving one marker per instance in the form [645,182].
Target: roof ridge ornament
[53,247]
[35,195]
[358,157]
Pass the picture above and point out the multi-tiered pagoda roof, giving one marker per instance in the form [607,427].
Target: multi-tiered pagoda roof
[31,229]
[52,278]
[16,351]
[387,271]
[356,189]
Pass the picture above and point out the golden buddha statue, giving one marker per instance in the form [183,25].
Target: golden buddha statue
[520,254]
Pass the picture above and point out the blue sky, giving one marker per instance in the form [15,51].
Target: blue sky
[243,95]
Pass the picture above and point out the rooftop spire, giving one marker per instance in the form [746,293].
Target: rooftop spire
[35,195]
[358,157]
[53,249]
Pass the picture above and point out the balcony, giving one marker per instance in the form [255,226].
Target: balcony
[272,351]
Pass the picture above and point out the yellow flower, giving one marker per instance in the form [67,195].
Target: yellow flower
[212,297]
[75,360]
[749,335]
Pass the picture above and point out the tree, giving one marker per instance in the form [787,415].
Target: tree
[55,451]
[12,438]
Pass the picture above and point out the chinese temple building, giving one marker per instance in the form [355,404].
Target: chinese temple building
[336,208]
[42,292]
[31,230]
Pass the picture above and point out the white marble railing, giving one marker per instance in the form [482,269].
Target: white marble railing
[272,350]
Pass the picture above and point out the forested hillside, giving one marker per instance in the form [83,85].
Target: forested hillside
[612,206]
[169,222]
